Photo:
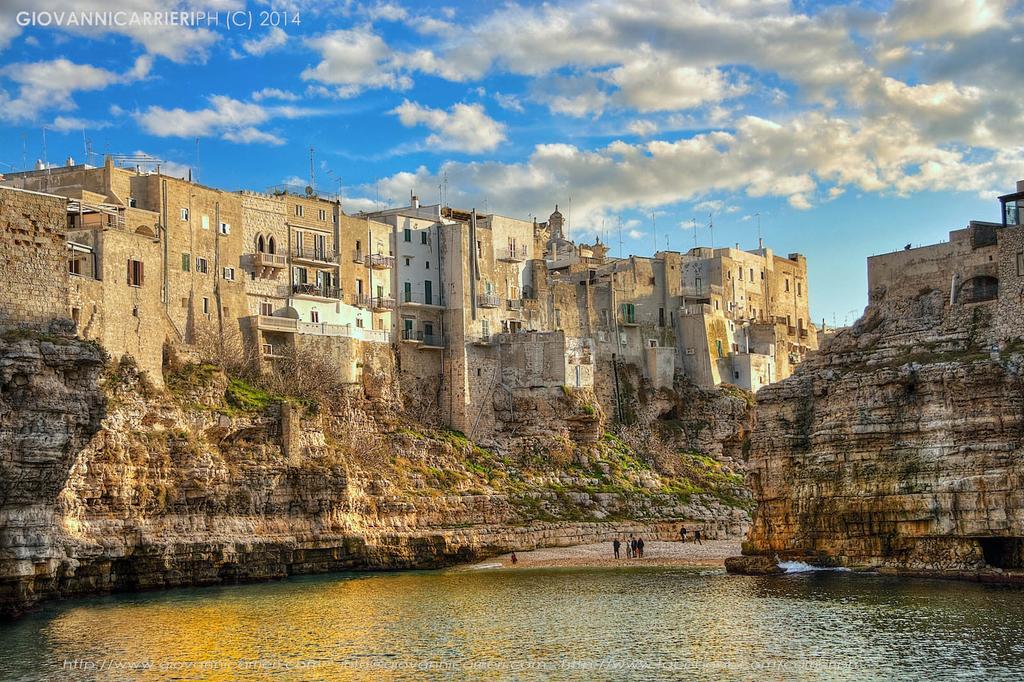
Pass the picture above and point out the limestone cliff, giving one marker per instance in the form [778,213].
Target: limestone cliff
[112,484]
[898,447]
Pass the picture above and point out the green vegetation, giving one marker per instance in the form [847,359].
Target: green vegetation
[247,398]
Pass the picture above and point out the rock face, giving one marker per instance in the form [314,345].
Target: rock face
[110,484]
[898,447]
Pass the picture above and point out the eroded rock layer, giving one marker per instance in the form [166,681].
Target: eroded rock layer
[899,446]
[111,484]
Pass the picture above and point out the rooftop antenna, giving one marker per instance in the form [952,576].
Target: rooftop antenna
[312,176]
[711,226]
[46,163]
[654,230]
[197,159]
[760,244]
[620,236]
[568,220]
[694,222]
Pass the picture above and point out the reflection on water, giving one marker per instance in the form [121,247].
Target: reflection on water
[654,623]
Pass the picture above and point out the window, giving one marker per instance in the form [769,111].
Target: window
[751,274]
[479,249]
[558,319]
[1020,263]
[298,210]
[799,288]
[186,262]
[661,317]
[740,270]
[184,214]
[314,315]
[408,292]
[206,222]
[359,323]
[698,285]
[718,347]
[787,285]
[426,265]
[206,306]
[407,262]
[225,228]
[202,265]
[266,308]
[323,214]
[132,203]
[261,246]
[271,246]
[423,237]
[135,273]
[428,296]
[229,274]
[762,275]
[75,266]
[407,234]
[485,328]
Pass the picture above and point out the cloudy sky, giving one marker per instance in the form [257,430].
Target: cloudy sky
[842,129]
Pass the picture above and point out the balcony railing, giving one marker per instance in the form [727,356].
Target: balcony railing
[357,256]
[382,303]
[317,290]
[513,254]
[313,253]
[292,326]
[515,304]
[379,261]
[361,300]
[627,320]
[433,341]
[410,298]
[488,300]
[269,260]
[483,340]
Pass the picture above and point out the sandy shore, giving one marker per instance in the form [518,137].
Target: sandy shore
[711,553]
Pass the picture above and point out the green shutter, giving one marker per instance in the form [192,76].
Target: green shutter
[186,261]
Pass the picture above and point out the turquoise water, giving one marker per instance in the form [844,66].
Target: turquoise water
[644,623]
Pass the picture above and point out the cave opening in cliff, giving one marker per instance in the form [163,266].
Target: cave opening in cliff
[1003,552]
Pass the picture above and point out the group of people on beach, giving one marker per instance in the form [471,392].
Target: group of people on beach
[635,545]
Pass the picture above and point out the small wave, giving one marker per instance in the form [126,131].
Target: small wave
[804,567]
[478,567]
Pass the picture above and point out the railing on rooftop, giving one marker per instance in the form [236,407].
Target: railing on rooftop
[317,290]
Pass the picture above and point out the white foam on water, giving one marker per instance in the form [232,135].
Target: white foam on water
[804,567]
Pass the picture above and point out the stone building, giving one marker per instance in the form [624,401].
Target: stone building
[980,267]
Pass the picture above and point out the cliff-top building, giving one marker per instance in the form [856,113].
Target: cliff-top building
[476,307]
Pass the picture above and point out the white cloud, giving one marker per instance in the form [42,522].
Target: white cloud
[48,85]
[231,119]
[464,127]
[353,60]
[274,38]
[911,20]
[68,123]
[509,102]
[275,93]
[636,234]
[656,84]
[643,128]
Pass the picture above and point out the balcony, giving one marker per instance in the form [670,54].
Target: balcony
[379,261]
[313,254]
[488,301]
[432,342]
[513,254]
[357,256]
[515,304]
[483,340]
[316,291]
[361,300]
[382,304]
[269,261]
[412,300]
[410,336]
[271,352]
[628,320]
[288,325]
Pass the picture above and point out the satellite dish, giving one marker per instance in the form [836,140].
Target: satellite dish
[309,190]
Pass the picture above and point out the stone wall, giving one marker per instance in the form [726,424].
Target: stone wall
[33,259]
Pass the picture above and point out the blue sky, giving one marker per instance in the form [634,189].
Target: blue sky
[848,128]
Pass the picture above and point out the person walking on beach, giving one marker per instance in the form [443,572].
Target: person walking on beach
[682,534]
[640,547]
[615,546]
[696,537]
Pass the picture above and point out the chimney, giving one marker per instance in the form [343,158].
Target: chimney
[70,162]
[415,201]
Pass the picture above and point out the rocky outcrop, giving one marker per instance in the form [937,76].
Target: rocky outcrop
[112,484]
[898,447]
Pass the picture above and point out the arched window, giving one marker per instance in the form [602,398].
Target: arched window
[978,289]
[271,246]
[259,244]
